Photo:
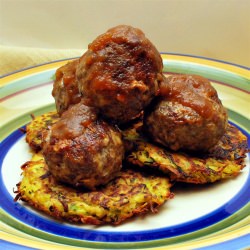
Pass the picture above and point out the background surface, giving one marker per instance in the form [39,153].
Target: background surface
[217,29]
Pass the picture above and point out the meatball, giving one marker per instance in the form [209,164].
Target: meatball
[188,116]
[120,73]
[65,88]
[81,150]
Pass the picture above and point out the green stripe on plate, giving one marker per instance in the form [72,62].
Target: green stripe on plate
[22,120]
[209,72]
[9,220]
[216,228]
[172,66]
[240,120]
[26,82]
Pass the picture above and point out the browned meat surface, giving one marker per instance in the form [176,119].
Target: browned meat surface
[81,150]
[189,115]
[65,88]
[120,73]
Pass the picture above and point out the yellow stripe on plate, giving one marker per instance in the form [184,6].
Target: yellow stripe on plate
[33,70]
[221,65]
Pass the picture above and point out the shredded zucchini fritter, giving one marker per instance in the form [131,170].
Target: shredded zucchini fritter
[225,160]
[130,193]
[35,129]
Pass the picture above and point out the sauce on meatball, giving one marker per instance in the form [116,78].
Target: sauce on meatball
[188,115]
[192,91]
[120,73]
[81,149]
[65,89]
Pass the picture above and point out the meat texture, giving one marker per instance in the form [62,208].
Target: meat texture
[65,89]
[120,73]
[189,116]
[82,150]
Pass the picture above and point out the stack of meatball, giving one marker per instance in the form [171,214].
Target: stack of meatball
[117,80]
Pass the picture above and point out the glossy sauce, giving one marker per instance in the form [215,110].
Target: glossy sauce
[124,56]
[191,91]
[74,121]
[65,89]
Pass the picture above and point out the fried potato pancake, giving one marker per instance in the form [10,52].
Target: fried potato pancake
[130,193]
[35,129]
[225,160]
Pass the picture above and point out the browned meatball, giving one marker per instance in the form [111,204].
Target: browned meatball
[120,73]
[65,88]
[81,150]
[190,115]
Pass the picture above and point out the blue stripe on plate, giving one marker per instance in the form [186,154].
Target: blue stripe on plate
[51,226]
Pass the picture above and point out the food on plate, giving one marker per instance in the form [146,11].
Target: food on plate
[82,150]
[123,133]
[189,116]
[130,193]
[35,128]
[120,73]
[65,89]
[224,160]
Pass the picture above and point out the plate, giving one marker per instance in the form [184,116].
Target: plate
[214,216]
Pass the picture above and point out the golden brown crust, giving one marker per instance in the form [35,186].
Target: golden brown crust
[35,128]
[130,193]
[225,160]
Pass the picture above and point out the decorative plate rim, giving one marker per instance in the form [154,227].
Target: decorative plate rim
[150,231]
